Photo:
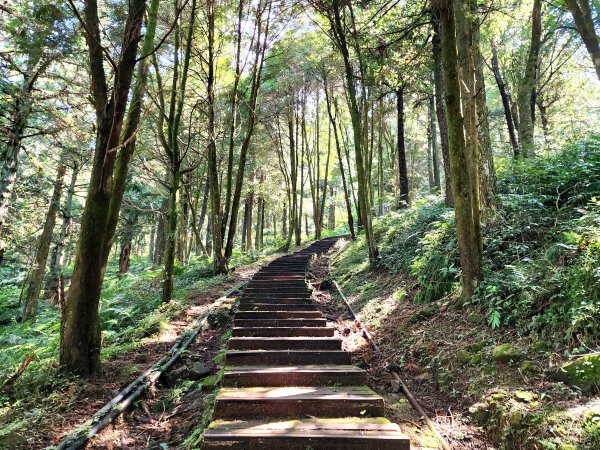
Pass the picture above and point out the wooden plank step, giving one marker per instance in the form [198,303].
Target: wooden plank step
[302,375]
[277,290]
[286,357]
[280,322]
[317,434]
[279,314]
[286,343]
[298,402]
[289,299]
[256,282]
[277,307]
[282,331]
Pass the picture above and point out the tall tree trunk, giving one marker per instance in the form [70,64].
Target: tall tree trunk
[249,221]
[160,238]
[527,84]
[440,107]
[435,151]
[124,257]
[233,120]
[506,101]
[584,21]
[171,233]
[338,148]
[43,247]
[459,158]
[220,260]
[80,326]
[466,15]
[9,153]
[403,200]
[331,218]
[151,244]
[488,191]
[52,288]
[284,222]
[261,47]
[363,198]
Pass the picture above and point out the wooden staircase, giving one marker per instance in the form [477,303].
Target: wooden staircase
[287,383]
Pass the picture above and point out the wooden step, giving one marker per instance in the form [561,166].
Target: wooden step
[286,357]
[283,299]
[277,307]
[279,314]
[285,343]
[280,322]
[274,290]
[318,434]
[259,284]
[282,331]
[306,375]
[298,402]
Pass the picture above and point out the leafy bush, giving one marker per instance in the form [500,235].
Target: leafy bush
[542,254]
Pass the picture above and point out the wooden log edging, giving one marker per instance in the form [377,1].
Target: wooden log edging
[407,393]
[115,407]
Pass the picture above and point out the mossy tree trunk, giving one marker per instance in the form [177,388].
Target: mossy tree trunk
[80,327]
[525,97]
[460,161]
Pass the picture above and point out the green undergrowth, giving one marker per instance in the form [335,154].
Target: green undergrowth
[130,310]
[540,299]
[541,248]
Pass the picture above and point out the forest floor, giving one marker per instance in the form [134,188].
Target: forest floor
[447,357]
[169,412]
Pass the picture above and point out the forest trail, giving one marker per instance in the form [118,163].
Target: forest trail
[287,382]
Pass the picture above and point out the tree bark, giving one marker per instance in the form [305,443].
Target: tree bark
[435,150]
[488,190]
[260,50]
[219,260]
[440,107]
[338,148]
[403,199]
[459,158]
[527,85]
[43,247]
[51,290]
[80,326]
[584,21]
[506,101]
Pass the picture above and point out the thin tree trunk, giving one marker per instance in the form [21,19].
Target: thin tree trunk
[440,107]
[331,218]
[43,247]
[336,139]
[435,151]
[527,85]
[219,260]
[403,200]
[506,103]
[261,47]
[363,199]
[488,191]
[51,290]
